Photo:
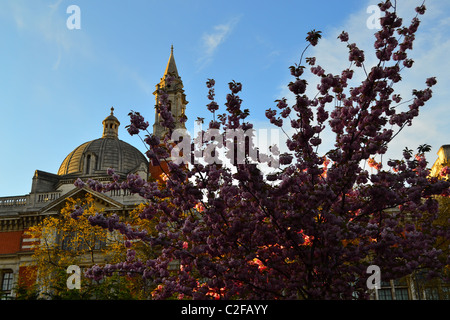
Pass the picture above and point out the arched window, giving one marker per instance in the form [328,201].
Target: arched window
[88,164]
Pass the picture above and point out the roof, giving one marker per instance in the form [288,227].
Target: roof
[171,67]
[96,156]
[58,204]
[99,155]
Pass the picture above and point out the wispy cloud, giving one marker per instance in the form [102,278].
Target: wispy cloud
[55,5]
[47,23]
[213,39]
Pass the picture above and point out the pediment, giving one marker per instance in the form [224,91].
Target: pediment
[101,199]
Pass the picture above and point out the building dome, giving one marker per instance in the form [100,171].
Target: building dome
[96,156]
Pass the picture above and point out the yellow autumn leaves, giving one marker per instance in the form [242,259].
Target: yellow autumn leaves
[65,241]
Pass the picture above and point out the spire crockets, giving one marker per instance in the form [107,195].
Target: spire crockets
[172,84]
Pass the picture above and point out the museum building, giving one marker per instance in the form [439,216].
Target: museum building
[90,160]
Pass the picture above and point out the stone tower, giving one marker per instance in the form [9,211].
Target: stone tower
[442,161]
[172,84]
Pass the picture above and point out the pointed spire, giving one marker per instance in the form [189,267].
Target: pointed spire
[177,98]
[171,66]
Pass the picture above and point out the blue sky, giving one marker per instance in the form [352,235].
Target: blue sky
[57,85]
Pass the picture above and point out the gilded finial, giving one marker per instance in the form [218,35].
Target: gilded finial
[112,111]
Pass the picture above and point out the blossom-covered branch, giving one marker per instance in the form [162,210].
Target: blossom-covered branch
[309,229]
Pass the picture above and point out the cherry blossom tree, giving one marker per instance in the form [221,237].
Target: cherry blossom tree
[311,228]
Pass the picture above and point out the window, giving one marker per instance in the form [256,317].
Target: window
[88,164]
[437,293]
[401,294]
[73,241]
[7,281]
[432,293]
[401,289]
[385,294]
[396,289]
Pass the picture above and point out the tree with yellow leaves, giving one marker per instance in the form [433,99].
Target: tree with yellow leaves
[66,239]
